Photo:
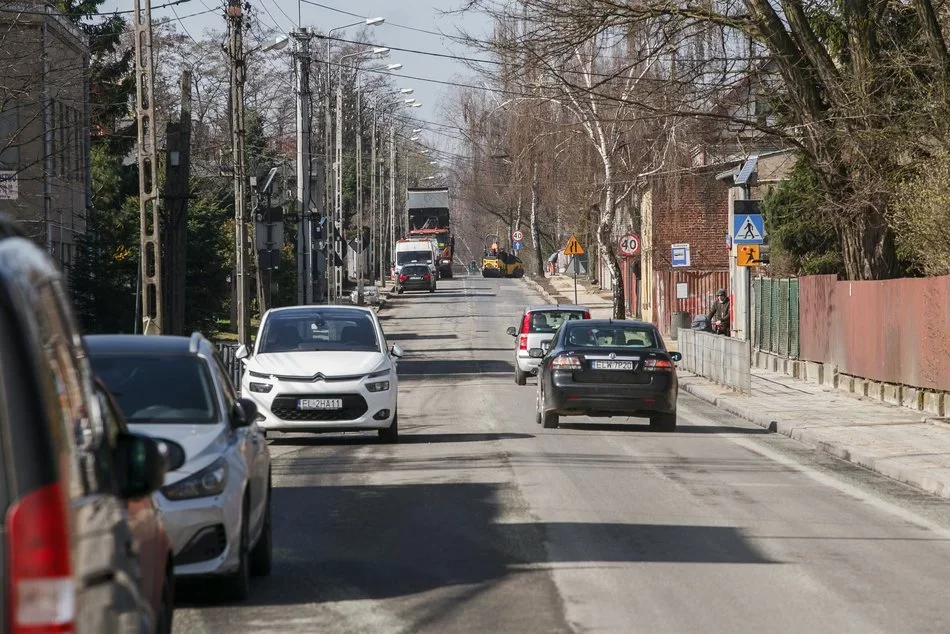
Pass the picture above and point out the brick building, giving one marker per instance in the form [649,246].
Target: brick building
[44,132]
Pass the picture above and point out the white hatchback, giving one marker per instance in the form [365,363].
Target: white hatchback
[322,369]
[539,324]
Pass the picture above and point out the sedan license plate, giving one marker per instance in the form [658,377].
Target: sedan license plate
[320,403]
[416,277]
[612,365]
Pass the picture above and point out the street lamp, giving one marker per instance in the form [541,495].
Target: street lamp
[328,128]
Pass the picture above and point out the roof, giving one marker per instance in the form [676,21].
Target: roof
[610,322]
[316,308]
[531,309]
[151,344]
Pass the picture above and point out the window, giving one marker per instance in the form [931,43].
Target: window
[9,135]
[159,389]
[318,330]
[549,321]
[612,336]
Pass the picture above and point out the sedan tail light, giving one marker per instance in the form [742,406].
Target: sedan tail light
[403,278]
[566,362]
[657,365]
[427,277]
[42,591]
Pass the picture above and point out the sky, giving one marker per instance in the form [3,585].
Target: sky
[410,24]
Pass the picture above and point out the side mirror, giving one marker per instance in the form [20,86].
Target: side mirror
[174,453]
[512,331]
[140,465]
[676,356]
[245,413]
[242,353]
[536,353]
[396,351]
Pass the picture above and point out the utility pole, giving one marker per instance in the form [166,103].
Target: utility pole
[235,14]
[360,256]
[392,190]
[329,171]
[337,228]
[177,176]
[150,248]
[302,38]
[374,241]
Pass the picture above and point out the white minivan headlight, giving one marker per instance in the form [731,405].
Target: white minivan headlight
[209,481]
[378,386]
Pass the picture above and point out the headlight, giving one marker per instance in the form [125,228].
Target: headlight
[378,386]
[209,481]
[262,388]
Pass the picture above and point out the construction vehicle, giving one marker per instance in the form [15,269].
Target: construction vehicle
[498,262]
[429,217]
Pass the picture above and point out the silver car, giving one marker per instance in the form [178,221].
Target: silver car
[216,506]
[538,327]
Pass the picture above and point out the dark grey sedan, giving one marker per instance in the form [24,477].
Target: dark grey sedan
[602,367]
[415,277]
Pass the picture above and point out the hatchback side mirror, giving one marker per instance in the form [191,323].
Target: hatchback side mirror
[512,331]
[676,356]
[245,413]
[242,353]
[140,465]
[396,351]
[536,353]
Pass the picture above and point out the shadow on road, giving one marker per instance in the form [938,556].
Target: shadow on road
[347,543]
[644,427]
[414,336]
[442,367]
[404,439]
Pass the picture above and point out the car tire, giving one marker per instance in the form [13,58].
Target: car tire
[391,434]
[237,585]
[537,411]
[663,422]
[521,378]
[166,614]
[431,290]
[549,420]
[262,555]
[398,291]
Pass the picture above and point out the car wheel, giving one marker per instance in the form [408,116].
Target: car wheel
[521,378]
[237,585]
[262,556]
[166,614]
[537,412]
[391,433]
[663,422]
[431,290]
[398,291]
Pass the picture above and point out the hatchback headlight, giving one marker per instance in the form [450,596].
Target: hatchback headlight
[209,481]
[378,386]
[260,388]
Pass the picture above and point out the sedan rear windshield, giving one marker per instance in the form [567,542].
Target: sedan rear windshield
[548,321]
[612,336]
[415,270]
[172,389]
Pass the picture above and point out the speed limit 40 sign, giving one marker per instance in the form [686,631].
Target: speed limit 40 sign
[629,245]
[517,236]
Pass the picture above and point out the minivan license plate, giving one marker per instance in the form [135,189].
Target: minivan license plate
[320,403]
[612,365]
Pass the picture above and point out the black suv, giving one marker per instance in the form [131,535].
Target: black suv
[67,553]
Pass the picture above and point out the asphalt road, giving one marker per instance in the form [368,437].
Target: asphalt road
[482,521]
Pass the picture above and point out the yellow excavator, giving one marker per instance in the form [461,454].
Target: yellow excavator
[498,262]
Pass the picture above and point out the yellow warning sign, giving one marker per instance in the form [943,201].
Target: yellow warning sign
[747,255]
[573,247]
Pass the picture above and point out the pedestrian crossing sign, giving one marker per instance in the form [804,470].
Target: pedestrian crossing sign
[748,229]
[573,247]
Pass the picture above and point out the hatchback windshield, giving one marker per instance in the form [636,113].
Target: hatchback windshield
[318,330]
[612,336]
[174,389]
[549,321]
[406,257]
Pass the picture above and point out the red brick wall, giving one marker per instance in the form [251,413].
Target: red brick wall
[691,207]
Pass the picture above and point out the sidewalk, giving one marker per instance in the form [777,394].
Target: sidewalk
[599,303]
[893,441]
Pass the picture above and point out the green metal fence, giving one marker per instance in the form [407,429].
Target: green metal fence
[775,316]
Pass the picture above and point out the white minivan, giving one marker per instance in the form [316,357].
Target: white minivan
[539,324]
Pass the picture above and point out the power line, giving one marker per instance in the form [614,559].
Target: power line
[357,15]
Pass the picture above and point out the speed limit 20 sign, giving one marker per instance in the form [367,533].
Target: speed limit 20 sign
[629,245]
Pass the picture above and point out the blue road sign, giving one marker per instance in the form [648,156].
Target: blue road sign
[680,255]
[748,229]
[518,246]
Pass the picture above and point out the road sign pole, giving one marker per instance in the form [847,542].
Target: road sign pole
[575,279]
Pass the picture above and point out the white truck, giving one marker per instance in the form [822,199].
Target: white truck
[417,251]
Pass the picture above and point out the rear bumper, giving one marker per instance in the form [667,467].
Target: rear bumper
[415,286]
[568,398]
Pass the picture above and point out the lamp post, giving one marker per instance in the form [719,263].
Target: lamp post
[338,174]
[327,135]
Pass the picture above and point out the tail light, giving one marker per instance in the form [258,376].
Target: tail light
[526,323]
[522,342]
[427,277]
[42,591]
[403,278]
[587,315]
[657,365]
[566,362]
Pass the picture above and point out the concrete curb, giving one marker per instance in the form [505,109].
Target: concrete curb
[540,290]
[915,477]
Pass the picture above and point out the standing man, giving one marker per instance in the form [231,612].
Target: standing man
[719,314]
